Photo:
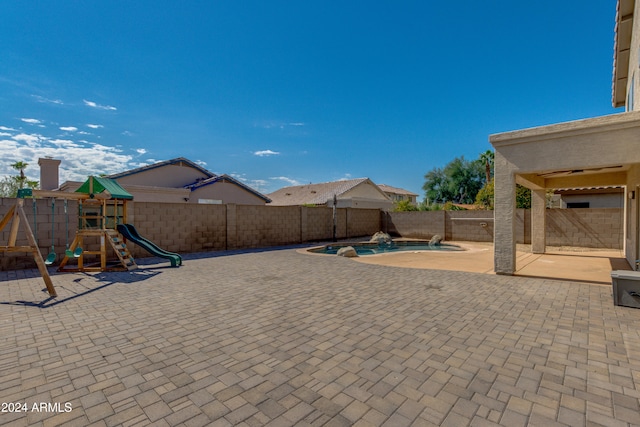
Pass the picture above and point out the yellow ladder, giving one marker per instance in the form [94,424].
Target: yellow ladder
[120,248]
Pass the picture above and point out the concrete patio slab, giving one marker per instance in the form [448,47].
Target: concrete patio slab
[568,264]
[279,338]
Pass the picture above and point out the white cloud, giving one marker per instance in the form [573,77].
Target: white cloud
[141,151]
[98,106]
[6,128]
[286,179]
[264,153]
[64,143]
[127,133]
[46,100]
[30,139]
[257,184]
[69,128]
[31,121]
[92,126]
[274,124]
[80,158]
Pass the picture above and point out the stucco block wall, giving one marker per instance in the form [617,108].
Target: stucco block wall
[590,228]
[363,222]
[259,226]
[523,226]
[415,225]
[180,227]
[186,228]
[317,223]
[475,226]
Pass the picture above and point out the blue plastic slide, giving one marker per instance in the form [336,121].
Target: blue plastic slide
[130,233]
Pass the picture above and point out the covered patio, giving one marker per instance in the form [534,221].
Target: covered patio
[596,152]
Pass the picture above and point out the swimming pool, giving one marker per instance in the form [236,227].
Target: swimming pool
[366,248]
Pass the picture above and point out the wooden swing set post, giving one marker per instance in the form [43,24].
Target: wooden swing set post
[15,215]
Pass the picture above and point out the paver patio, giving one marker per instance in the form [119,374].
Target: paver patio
[279,338]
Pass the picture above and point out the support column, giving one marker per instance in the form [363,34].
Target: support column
[538,221]
[505,216]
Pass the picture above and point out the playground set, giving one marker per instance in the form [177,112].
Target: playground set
[102,216]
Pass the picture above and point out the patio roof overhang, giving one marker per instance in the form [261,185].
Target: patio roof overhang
[621,50]
[590,152]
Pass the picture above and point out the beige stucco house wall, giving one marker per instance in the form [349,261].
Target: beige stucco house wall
[225,190]
[398,194]
[601,151]
[166,176]
[365,195]
[596,198]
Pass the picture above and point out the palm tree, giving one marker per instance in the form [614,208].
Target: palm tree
[20,166]
[487,158]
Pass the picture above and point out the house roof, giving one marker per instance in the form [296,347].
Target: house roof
[315,194]
[180,161]
[621,50]
[226,178]
[96,185]
[395,190]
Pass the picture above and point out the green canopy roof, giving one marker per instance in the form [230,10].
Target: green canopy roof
[101,185]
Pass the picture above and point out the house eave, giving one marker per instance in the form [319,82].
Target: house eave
[595,125]
[621,51]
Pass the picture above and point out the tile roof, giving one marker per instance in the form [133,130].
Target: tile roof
[389,189]
[313,194]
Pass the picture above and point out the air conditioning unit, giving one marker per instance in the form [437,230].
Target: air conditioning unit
[626,288]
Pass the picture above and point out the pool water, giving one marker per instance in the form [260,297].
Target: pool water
[379,248]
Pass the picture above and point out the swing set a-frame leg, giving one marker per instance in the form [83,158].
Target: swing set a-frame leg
[16,214]
[37,256]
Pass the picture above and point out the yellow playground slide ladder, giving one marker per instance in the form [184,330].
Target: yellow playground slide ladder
[117,243]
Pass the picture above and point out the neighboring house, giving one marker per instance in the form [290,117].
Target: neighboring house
[595,152]
[353,193]
[182,181]
[571,198]
[398,194]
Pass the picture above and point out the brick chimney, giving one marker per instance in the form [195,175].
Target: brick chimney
[49,173]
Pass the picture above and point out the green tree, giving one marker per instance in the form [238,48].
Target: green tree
[484,198]
[486,195]
[20,166]
[404,206]
[458,182]
[486,159]
[9,185]
[523,197]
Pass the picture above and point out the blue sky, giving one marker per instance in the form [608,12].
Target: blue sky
[281,93]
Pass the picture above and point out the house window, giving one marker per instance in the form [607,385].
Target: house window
[577,205]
